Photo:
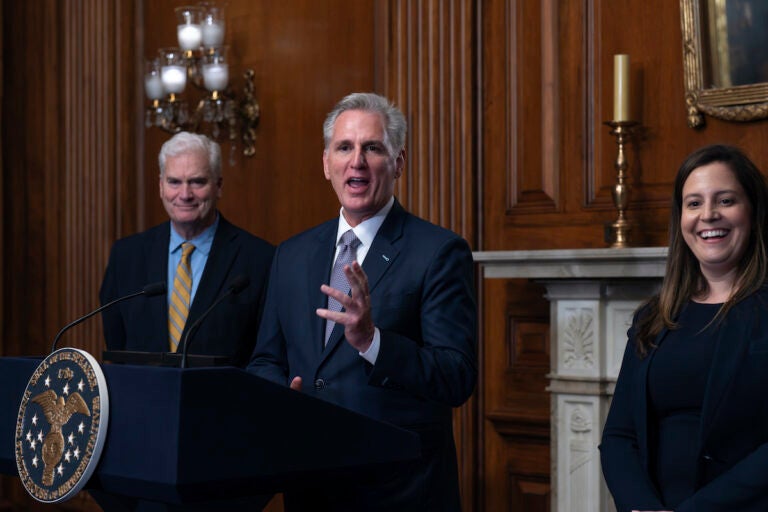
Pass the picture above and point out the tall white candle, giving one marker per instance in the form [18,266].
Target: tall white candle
[174,78]
[153,86]
[213,33]
[190,36]
[215,76]
[621,87]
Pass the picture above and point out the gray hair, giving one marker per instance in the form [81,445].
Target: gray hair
[394,120]
[185,142]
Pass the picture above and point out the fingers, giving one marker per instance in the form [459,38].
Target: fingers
[358,281]
[356,316]
[296,384]
[358,284]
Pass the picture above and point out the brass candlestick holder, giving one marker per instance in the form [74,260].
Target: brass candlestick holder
[618,233]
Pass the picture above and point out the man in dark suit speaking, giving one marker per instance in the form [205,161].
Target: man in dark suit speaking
[394,334]
[198,254]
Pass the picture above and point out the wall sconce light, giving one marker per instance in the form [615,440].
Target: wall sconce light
[201,58]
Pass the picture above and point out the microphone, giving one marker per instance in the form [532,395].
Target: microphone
[238,284]
[149,290]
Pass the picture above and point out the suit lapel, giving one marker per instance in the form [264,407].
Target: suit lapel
[384,250]
[156,257]
[224,249]
[318,272]
[642,393]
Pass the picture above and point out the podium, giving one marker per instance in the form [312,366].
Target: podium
[197,435]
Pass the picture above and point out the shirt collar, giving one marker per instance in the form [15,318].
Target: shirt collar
[202,242]
[366,230]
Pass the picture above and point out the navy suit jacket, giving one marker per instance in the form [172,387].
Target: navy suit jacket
[142,323]
[732,472]
[421,286]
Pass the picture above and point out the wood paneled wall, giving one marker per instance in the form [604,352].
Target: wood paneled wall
[505,99]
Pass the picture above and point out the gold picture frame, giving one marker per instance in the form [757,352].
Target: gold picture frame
[706,66]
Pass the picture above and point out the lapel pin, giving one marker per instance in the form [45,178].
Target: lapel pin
[385,257]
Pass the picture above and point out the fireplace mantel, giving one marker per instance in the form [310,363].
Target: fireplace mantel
[593,294]
[640,262]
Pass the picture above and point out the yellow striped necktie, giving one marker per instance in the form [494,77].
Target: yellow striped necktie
[181,295]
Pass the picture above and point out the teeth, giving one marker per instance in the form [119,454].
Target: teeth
[711,233]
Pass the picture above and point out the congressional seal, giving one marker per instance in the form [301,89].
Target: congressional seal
[62,425]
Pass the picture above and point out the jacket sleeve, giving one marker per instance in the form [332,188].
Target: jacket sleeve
[743,487]
[442,365]
[269,359]
[624,470]
[112,320]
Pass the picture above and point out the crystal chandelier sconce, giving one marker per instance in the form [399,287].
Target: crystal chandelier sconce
[200,59]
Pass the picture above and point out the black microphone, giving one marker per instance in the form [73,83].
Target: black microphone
[148,290]
[238,284]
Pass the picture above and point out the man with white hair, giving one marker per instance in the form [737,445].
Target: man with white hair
[198,253]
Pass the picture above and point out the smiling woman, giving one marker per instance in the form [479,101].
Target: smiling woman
[683,432]
[716,226]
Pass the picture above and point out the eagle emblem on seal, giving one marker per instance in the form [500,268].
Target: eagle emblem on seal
[58,412]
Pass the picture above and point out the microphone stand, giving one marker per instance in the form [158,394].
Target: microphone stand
[150,290]
[239,283]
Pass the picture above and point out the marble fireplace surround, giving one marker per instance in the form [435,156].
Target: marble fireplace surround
[592,295]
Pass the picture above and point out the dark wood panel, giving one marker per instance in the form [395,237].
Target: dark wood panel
[428,64]
[61,131]
[529,493]
[516,405]
[584,152]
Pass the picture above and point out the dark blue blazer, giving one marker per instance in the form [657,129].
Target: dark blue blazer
[421,285]
[732,471]
[142,323]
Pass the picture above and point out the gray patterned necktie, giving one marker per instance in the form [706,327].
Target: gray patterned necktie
[347,254]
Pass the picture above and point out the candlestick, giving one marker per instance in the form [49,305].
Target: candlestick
[215,76]
[153,85]
[213,32]
[213,25]
[188,28]
[190,36]
[174,78]
[618,232]
[621,87]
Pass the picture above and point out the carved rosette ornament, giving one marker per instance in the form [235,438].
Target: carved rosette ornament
[578,342]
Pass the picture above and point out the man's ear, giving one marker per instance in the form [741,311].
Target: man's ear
[399,164]
[326,171]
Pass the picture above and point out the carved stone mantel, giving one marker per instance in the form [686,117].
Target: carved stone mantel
[592,294]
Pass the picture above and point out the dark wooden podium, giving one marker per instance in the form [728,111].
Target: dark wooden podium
[198,435]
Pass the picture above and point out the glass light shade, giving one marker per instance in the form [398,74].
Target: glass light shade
[173,71]
[213,26]
[215,68]
[153,84]
[189,30]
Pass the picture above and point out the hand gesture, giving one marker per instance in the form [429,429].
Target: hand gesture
[356,317]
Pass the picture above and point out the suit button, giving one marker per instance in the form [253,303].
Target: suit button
[319,384]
